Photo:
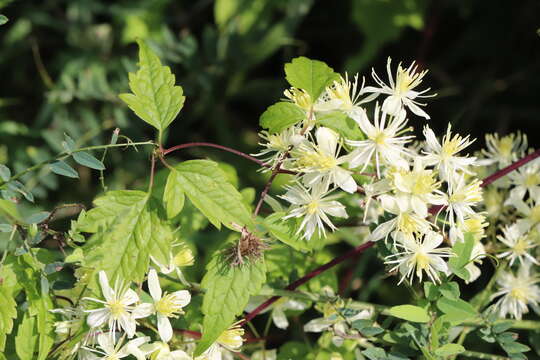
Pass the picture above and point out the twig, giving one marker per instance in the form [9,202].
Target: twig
[152,171]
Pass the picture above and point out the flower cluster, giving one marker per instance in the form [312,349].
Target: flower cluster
[427,191]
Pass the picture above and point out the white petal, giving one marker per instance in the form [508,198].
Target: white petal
[153,285]
[142,310]
[106,342]
[345,181]
[417,110]
[108,293]
[392,105]
[128,324]
[327,140]
[182,297]
[164,328]
[279,318]
[129,297]
[98,317]
[317,325]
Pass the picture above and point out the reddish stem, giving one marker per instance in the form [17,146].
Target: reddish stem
[224,148]
[294,285]
[497,175]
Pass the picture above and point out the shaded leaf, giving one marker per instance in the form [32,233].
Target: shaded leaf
[280,116]
[61,168]
[410,313]
[85,159]
[313,76]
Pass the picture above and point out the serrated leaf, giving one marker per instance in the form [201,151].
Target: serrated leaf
[85,159]
[27,338]
[409,313]
[280,116]
[228,289]
[342,124]
[311,75]
[5,173]
[61,168]
[154,98]
[449,349]
[205,184]
[456,310]
[173,196]
[123,243]
[8,312]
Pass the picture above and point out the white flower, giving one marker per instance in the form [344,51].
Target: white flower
[383,141]
[166,305]
[444,156]
[182,258]
[162,351]
[519,243]
[314,206]
[401,93]
[517,292]
[504,150]
[230,340]
[117,310]
[407,222]
[111,351]
[474,224]
[416,189]
[276,145]
[419,256]
[343,95]
[461,198]
[321,162]
[477,254]
[526,179]
[530,211]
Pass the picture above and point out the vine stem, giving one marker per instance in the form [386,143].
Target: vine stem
[64,155]
[497,175]
[294,285]
[261,163]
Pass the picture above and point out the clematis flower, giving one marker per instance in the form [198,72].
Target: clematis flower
[444,155]
[109,350]
[162,351]
[230,340]
[383,144]
[182,258]
[314,206]
[166,305]
[504,150]
[118,308]
[517,292]
[321,163]
[401,93]
[344,95]
[526,180]
[420,255]
[519,243]
[461,198]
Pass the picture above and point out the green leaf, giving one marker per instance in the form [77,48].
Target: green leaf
[374,353]
[85,159]
[68,144]
[410,313]
[463,250]
[5,173]
[450,290]
[8,209]
[3,19]
[280,116]
[228,289]
[155,98]
[449,349]
[26,339]
[342,124]
[313,76]
[8,312]
[173,196]
[61,168]
[206,185]
[456,310]
[124,240]
[38,217]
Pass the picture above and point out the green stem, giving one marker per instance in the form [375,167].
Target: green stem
[64,155]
